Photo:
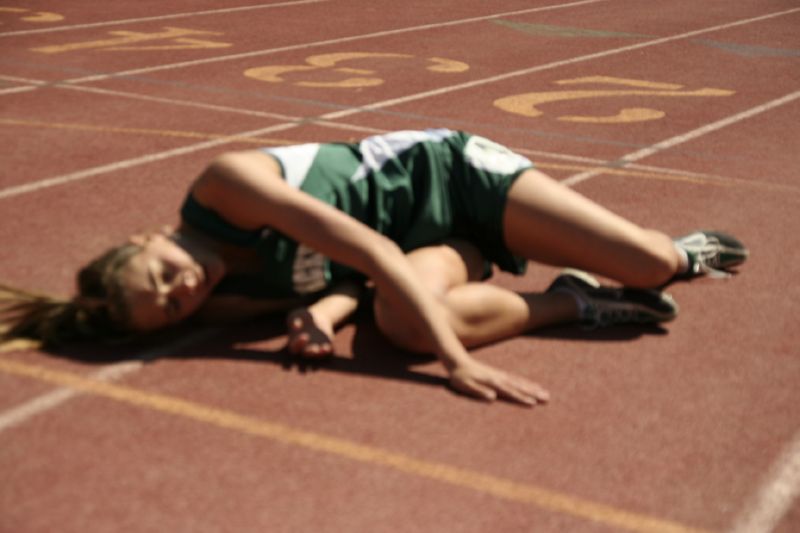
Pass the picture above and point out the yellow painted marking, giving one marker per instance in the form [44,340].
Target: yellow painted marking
[182,44]
[129,40]
[441,64]
[629,82]
[273,74]
[322,63]
[331,60]
[35,16]
[527,104]
[43,16]
[349,83]
[487,484]
[630,114]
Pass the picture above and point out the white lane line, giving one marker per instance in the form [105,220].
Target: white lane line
[338,40]
[16,79]
[48,401]
[136,161]
[83,174]
[29,84]
[685,137]
[158,17]
[182,103]
[16,90]
[215,107]
[53,399]
[777,493]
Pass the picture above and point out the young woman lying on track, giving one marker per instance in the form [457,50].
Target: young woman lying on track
[421,215]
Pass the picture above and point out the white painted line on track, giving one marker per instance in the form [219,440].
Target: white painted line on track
[685,137]
[338,40]
[215,107]
[16,90]
[136,161]
[22,80]
[129,163]
[53,399]
[182,103]
[777,493]
[48,401]
[30,84]
[158,18]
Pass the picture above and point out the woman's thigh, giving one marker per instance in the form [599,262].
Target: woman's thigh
[548,222]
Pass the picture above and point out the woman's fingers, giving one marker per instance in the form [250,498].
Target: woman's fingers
[301,345]
[527,388]
[298,342]
[305,338]
[473,388]
[486,383]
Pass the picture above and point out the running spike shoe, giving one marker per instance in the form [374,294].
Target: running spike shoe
[712,253]
[607,306]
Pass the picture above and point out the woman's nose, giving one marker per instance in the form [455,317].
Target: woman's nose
[184,282]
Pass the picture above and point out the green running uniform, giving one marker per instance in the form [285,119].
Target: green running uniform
[415,187]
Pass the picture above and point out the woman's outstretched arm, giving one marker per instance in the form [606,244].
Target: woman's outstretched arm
[246,188]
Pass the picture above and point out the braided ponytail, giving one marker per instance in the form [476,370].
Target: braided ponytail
[98,311]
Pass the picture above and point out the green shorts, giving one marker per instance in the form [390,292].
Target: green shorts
[481,181]
[418,188]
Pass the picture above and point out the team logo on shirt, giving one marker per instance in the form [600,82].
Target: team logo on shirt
[308,271]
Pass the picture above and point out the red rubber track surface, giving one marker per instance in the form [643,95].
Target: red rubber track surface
[106,115]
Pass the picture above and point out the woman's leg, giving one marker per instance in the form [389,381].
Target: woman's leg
[548,222]
[479,313]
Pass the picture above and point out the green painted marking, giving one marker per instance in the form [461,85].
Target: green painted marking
[749,50]
[565,31]
[568,32]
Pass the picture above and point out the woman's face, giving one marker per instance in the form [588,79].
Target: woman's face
[163,283]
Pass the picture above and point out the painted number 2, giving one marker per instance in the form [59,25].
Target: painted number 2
[28,15]
[528,104]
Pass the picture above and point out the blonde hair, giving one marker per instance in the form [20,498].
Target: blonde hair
[97,311]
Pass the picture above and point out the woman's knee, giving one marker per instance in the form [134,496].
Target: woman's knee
[394,328]
[656,264]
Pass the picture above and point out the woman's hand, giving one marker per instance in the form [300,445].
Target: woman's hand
[484,382]
[310,335]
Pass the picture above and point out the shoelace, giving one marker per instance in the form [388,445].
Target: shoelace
[706,251]
[597,316]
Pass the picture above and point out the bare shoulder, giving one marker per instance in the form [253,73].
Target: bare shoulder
[234,167]
[241,186]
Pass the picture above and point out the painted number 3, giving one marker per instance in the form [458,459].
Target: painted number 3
[339,65]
